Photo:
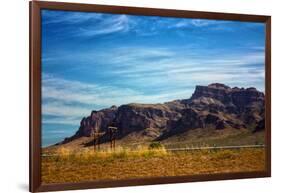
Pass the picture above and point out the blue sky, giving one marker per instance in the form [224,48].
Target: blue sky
[92,61]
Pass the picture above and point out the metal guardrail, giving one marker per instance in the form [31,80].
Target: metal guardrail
[212,148]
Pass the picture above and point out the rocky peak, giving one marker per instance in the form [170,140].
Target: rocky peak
[247,97]
[215,105]
[218,86]
[237,96]
[216,91]
[96,122]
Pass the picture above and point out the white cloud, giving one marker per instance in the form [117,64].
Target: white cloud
[59,95]
[98,23]
[55,17]
[109,25]
[201,23]
[169,72]
[182,67]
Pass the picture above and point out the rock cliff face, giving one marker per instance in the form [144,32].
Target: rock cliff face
[214,106]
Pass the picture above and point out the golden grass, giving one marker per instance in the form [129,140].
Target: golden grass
[87,154]
[89,165]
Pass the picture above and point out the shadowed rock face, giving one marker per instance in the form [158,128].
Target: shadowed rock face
[214,106]
[139,117]
[97,121]
[216,91]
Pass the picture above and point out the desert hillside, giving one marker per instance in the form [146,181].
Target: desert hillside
[215,114]
[218,130]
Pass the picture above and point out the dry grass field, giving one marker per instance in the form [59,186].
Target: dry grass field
[88,165]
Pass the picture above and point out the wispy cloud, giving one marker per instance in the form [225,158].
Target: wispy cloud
[59,95]
[68,17]
[169,76]
[96,24]
[91,61]
[108,26]
[205,24]
[137,66]
[86,24]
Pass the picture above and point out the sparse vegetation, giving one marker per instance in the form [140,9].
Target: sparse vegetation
[155,145]
[88,165]
[120,152]
[181,137]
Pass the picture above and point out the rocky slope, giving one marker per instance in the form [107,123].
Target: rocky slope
[215,106]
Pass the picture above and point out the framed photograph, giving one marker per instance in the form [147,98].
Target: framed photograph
[124,96]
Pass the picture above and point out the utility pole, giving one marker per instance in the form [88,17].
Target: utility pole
[97,136]
[112,136]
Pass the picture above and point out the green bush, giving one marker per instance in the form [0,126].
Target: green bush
[155,145]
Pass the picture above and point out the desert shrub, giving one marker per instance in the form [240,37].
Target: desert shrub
[63,153]
[120,153]
[85,155]
[225,154]
[88,155]
[155,145]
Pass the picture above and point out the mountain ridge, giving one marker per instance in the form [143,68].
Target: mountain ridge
[216,106]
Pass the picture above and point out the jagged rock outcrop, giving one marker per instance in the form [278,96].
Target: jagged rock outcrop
[214,106]
[134,117]
[217,91]
[97,121]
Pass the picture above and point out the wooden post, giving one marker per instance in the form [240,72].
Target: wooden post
[96,136]
[113,142]
[112,136]
[94,141]
[97,140]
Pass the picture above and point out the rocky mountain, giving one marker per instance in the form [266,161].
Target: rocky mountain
[215,106]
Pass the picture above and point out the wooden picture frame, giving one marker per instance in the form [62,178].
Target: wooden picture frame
[35,93]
